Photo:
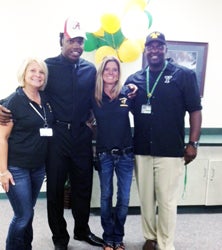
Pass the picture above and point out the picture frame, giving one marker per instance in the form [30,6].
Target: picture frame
[190,54]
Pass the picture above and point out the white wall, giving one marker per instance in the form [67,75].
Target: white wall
[31,27]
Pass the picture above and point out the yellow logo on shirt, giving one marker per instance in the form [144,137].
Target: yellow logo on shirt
[123,102]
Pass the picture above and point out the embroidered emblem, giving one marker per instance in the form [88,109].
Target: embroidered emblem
[123,102]
[155,35]
[75,26]
[167,79]
[48,105]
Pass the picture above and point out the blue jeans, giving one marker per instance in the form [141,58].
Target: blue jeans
[113,219]
[23,198]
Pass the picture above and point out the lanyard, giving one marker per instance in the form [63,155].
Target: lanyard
[150,93]
[43,118]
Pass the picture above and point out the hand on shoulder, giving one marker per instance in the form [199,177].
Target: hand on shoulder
[5,115]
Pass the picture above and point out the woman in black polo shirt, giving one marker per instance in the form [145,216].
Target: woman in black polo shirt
[23,150]
[114,150]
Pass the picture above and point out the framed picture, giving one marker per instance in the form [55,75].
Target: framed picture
[192,55]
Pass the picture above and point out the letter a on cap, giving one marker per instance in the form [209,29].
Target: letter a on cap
[73,29]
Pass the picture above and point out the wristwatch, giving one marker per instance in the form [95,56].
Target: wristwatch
[195,144]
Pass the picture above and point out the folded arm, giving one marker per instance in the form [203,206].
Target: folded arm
[6,177]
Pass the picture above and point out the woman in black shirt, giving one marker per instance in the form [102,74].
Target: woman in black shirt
[23,150]
[114,150]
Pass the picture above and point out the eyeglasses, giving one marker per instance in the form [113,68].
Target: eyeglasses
[152,48]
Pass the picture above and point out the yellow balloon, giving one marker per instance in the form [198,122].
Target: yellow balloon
[129,51]
[110,23]
[142,43]
[99,32]
[104,51]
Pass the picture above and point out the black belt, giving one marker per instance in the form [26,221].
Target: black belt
[64,124]
[68,125]
[117,151]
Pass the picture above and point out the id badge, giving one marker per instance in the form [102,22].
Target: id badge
[45,131]
[146,109]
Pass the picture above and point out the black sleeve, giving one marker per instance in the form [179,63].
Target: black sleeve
[3,100]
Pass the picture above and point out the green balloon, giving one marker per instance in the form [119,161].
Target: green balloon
[114,40]
[90,43]
[101,41]
[149,18]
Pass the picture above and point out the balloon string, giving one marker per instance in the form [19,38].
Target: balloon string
[114,45]
[185,182]
[102,39]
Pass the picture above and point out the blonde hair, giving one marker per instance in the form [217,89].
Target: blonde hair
[23,67]
[99,80]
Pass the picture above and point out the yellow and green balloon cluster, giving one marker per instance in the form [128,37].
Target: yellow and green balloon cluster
[122,36]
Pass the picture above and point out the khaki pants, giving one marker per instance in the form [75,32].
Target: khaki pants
[158,180]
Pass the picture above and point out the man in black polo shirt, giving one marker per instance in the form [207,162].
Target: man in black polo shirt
[165,93]
[70,84]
